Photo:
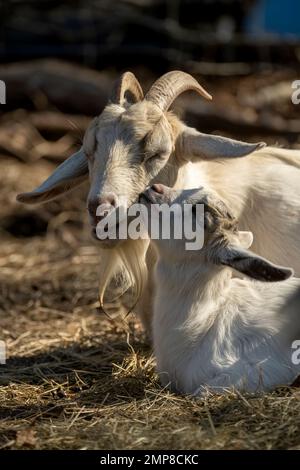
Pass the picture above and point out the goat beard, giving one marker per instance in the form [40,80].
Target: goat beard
[123,276]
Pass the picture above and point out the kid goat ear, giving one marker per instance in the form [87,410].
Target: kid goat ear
[252,265]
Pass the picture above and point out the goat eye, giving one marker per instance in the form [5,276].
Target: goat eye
[155,156]
[152,157]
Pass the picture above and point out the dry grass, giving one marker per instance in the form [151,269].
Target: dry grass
[76,379]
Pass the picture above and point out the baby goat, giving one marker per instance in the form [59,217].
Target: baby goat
[212,330]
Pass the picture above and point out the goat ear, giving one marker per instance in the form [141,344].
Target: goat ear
[69,174]
[193,145]
[252,265]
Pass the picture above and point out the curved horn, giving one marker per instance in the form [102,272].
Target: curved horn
[127,83]
[166,89]
[69,174]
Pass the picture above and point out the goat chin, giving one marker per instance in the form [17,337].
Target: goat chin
[108,244]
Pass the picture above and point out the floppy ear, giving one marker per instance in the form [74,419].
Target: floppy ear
[69,174]
[252,265]
[193,145]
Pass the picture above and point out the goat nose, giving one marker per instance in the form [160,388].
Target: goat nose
[158,188]
[107,200]
[103,205]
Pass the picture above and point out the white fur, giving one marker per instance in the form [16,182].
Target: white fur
[212,330]
[262,189]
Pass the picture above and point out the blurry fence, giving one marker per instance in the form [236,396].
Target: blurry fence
[156,33]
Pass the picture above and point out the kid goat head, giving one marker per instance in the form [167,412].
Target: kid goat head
[134,142]
[224,245]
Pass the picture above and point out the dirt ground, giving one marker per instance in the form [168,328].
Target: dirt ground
[76,379]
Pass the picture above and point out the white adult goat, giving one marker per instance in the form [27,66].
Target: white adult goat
[213,330]
[135,141]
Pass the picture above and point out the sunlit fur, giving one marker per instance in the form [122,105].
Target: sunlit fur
[211,330]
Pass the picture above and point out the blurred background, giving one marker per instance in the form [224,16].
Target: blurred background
[59,60]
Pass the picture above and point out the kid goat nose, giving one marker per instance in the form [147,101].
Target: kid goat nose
[158,188]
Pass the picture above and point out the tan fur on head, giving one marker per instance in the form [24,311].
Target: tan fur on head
[227,246]
[217,215]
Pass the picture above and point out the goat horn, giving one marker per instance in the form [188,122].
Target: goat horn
[127,83]
[166,89]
